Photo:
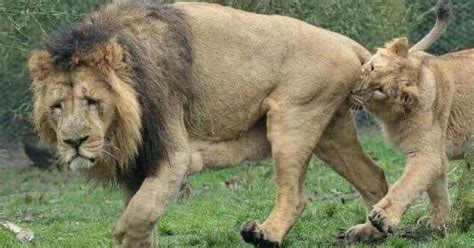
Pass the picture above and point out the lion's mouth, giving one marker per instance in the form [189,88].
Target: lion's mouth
[80,162]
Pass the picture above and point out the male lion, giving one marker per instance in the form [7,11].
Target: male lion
[142,95]
[426,106]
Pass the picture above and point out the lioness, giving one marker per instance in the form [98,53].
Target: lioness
[425,104]
[143,95]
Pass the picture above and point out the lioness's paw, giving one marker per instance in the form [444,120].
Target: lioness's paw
[433,222]
[252,234]
[361,233]
[382,221]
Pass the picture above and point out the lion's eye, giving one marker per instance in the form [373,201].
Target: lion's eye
[93,102]
[372,67]
[56,105]
[57,108]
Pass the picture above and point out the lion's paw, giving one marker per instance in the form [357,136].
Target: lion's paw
[253,234]
[362,233]
[381,220]
[125,238]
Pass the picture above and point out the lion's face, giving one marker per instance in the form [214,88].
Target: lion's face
[80,111]
[90,111]
[387,85]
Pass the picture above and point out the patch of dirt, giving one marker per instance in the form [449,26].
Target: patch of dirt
[418,234]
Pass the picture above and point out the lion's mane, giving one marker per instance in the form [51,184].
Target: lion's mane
[152,76]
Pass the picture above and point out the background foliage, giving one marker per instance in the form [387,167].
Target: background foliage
[24,24]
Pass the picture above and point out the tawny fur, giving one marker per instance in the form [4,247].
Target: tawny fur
[425,106]
[152,94]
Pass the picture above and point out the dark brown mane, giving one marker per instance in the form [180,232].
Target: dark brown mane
[81,39]
[162,74]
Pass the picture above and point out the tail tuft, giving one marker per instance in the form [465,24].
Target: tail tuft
[444,11]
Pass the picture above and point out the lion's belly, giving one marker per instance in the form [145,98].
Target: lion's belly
[228,116]
[252,145]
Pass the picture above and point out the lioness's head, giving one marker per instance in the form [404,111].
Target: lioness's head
[389,80]
[85,106]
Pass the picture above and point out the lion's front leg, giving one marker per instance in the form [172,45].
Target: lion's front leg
[292,144]
[135,226]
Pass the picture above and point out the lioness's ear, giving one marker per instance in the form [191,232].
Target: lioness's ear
[40,64]
[398,47]
[106,57]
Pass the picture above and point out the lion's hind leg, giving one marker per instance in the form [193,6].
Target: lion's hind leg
[340,149]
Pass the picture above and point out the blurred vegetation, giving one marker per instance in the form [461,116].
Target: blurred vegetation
[24,24]
[459,34]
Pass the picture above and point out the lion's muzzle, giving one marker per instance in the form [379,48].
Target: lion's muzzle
[75,143]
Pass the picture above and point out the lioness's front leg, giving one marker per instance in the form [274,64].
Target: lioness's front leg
[136,225]
[422,169]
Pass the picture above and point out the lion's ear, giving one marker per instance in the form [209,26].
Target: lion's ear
[40,64]
[398,47]
[106,58]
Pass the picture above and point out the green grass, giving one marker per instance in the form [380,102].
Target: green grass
[65,211]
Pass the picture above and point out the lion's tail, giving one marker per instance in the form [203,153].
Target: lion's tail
[443,15]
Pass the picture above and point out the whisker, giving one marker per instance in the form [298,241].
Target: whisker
[365,111]
[111,155]
[110,145]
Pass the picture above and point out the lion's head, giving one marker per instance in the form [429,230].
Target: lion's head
[87,109]
[103,90]
[389,80]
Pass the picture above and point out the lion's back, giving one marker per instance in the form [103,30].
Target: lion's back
[248,55]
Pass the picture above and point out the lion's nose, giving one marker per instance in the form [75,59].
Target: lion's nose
[75,143]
